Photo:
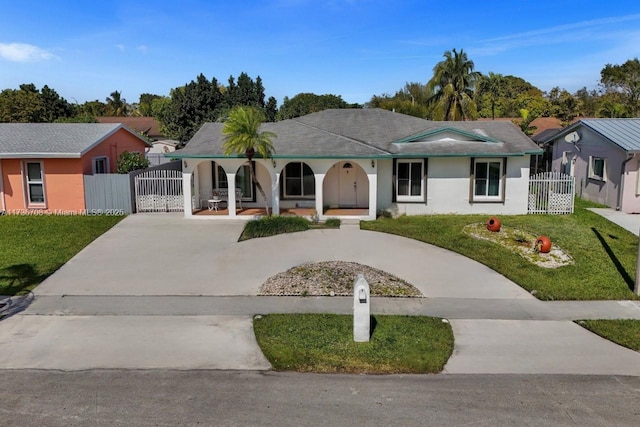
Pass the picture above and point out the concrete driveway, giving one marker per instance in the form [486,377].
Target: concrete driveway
[164,276]
[168,255]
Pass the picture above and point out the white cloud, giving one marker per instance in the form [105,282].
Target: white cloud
[142,48]
[120,47]
[576,32]
[22,52]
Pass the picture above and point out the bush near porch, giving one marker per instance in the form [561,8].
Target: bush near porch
[604,253]
[34,247]
[277,224]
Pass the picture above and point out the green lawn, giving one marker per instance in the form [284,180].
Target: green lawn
[625,332]
[33,247]
[324,343]
[604,253]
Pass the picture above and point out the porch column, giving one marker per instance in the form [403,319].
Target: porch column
[319,177]
[186,193]
[275,193]
[373,194]
[231,191]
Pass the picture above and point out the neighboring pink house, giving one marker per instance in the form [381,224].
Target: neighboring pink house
[42,164]
[604,157]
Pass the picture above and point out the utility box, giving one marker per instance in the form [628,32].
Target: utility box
[361,310]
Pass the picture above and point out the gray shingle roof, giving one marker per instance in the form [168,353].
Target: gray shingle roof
[52,139]
[342,133]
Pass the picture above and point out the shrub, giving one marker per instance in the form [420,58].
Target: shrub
[332,222]
[129,162]
[272,225]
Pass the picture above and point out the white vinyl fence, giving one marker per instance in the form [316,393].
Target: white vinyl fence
[551,193]
[159,191]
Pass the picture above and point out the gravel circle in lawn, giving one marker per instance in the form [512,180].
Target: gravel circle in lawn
[335,278]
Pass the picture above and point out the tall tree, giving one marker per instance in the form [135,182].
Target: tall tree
[624,79]
[493,87]
[201,100]
[145,105]
[116,105]
[29,105]
[305,103]
[410,100]
[452,87]
[243,137]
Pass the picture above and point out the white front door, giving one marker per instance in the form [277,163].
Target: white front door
[348,185]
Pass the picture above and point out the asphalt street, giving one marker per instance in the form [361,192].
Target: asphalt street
[229,398]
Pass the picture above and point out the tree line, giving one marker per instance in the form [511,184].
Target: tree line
[456,91]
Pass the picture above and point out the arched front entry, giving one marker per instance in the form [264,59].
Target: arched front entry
[345,186]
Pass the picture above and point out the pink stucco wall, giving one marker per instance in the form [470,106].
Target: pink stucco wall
[63,178]
[112,147]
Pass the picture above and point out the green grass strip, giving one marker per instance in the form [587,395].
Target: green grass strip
[324,343]
[625,332]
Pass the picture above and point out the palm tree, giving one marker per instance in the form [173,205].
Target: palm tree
[452,87]
[242,137]
[492,86]
[116,106]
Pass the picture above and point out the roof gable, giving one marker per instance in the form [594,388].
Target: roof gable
[447,134]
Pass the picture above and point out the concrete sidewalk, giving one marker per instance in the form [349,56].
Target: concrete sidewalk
[448,308]
[491,336]
[630,222]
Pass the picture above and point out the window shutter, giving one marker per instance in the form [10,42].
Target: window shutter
[471,178]
[504,179]
[426,178]
[393,181]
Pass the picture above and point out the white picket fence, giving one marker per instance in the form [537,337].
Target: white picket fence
[159,191]
[551,193]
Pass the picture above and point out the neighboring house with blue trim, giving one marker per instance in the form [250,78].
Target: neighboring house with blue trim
[602,154]
[355,162]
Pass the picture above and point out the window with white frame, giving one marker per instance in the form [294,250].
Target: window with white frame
[598,168]
[35,183]
[487,176]
[409,180]
[299,180]
[100,165]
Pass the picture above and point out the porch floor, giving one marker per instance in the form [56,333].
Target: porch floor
[307,212]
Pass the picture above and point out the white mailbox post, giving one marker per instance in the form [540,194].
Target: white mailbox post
[361,310]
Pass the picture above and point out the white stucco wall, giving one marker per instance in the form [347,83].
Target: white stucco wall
[447,185]
[448,189]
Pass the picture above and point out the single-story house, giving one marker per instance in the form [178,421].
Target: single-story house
[355,162]
[603,156]
[42,164]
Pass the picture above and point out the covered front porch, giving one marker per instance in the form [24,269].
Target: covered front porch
[330,188]
[303,212]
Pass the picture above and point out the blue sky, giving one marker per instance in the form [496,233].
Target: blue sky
[353,48]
